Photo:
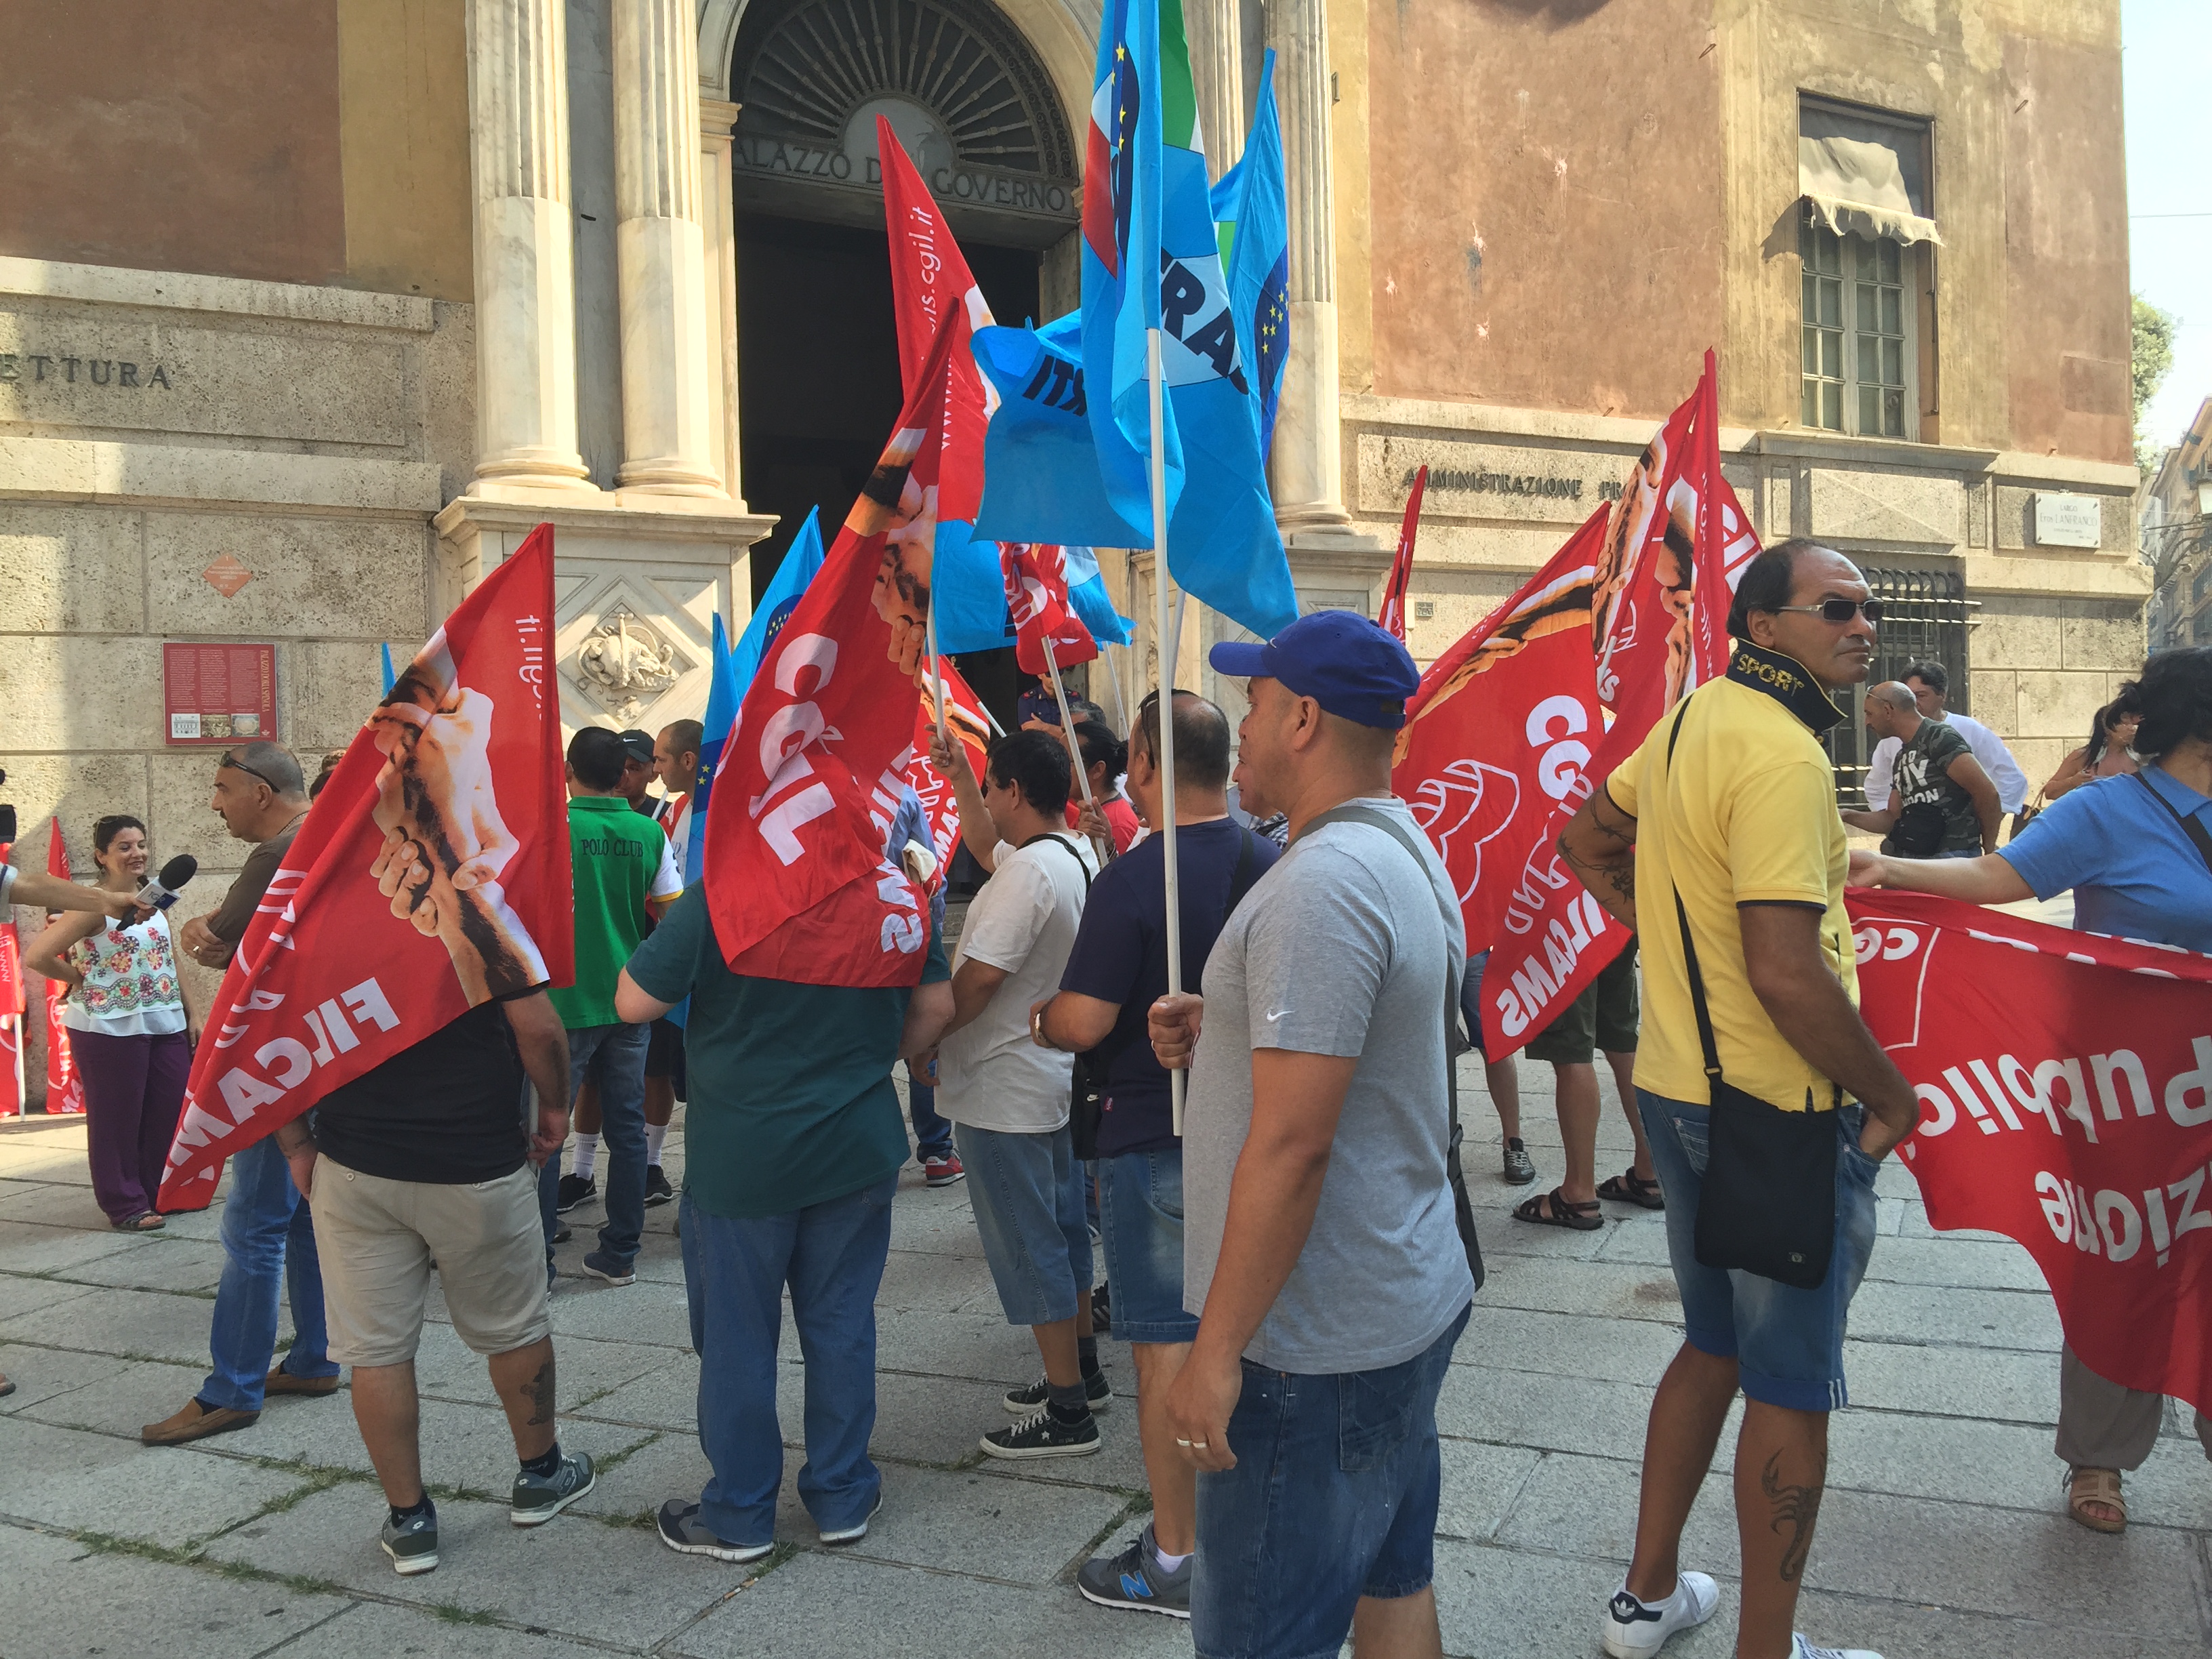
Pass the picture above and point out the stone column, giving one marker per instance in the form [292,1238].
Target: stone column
[670,363]
[1308,458]
[1216,73]
[717,121]
[526,290]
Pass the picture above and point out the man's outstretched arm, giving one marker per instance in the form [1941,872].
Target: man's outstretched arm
[1599,845]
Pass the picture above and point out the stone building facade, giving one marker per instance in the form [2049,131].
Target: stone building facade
[340,299]
[2176,513]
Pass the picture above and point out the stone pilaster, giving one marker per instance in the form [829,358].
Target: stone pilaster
[526,288]
[1216,73]
[717,120]
[670,359]
[1307,461]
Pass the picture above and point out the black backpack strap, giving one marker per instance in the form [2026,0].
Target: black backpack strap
[1062,840]
[2190,827]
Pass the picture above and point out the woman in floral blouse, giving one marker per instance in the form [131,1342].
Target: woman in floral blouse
[128,1025]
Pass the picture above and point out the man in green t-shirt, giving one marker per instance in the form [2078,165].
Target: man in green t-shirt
[1942,803]
[623,878]
[794,1140]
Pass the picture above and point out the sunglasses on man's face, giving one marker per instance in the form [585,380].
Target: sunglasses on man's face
[1840,611]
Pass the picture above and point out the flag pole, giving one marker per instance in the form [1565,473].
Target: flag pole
[936,672]
[1114,684]
[1067,733]
[1178,1078]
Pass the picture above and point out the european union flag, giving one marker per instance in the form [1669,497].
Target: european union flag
[785,589]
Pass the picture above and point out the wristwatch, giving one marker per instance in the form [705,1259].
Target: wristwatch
[1036,1026]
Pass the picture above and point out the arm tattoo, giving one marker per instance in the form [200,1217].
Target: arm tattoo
[1622,829]
[539,1389]
[1620,878]
[1796,1508]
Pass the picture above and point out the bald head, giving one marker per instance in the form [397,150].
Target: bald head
[1895,693]
[1892,711]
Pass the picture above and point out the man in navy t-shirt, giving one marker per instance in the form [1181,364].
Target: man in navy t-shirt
[1118,968]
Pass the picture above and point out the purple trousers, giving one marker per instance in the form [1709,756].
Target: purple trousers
[134,1092]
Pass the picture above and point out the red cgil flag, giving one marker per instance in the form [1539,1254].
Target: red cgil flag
[64,1085]
[798,881]
[431,874]
[1036,599]
[11,1012]
[1401,567]
[1500,731]
[2065,1085]
[1673,535]
[965,719]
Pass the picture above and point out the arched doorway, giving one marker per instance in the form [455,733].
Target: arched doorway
[817,343]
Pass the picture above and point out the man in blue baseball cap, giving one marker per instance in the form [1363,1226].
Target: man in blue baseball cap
[1319,1236]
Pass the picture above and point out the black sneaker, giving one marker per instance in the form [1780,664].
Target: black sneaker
[1042,1435]
[600,1264]
[1135,1579]
[575,1190]
[1101,1310]
[657,1190]
[682,1530]
[1520,1167]
[563,1233]
[536,1498]
[412,1544]
[1020,1403]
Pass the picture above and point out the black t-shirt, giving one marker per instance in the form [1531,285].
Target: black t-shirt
[1121,956]
[1922,777]
[447,1111]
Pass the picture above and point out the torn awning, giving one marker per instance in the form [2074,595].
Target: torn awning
[1864,175]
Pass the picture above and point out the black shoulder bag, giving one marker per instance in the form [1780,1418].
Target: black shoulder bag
[1767,1205]
[2190,827]
[1455,1041]
[1087,1103]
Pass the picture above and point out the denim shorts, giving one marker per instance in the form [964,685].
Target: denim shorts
[1140,1219]
[1027,1191]
[1787,1344]
[1334,1497]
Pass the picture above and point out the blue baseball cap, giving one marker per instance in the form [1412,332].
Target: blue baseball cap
[1343,662]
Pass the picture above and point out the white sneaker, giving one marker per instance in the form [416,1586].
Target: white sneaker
[1801,1649]
[1635,1630]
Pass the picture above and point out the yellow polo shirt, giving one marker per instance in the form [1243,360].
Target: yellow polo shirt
[1745,814]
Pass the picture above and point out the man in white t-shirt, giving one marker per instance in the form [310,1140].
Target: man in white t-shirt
[1930,685]
[1006,1096]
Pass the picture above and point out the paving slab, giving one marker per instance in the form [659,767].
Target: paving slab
[67,1601]
[26,1247]
[41,1374]
[155,1262]
[21,1294]
[574,1577]
[373,1629]
[1940,1381]
[119,1397]
[149,1323]
[54,1203]
[50,1157]
[1567,1345]
[1497,1604]
[818,1606]
[1481,1484]
[167,1495]
[1959,1317]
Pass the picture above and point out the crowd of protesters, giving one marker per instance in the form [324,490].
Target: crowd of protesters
[1281,1226]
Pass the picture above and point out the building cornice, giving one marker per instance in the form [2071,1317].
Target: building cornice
[178,290]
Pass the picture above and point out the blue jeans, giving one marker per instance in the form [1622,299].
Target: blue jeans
[1141,1221]
[1787,1344]
[267,1234]
[831,1255]
[1027,1193]
[613,1056]
[1334,1497]
[933,1135]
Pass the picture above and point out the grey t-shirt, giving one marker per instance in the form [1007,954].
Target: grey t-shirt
[1340,949]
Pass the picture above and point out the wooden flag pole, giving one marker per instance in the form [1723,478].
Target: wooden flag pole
[1074,749]
[1178,1078]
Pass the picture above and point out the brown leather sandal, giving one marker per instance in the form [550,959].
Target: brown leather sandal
[2096,1487]
[1551,1210]
[1630,1187]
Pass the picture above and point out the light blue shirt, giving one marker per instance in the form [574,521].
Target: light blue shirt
[2134,870]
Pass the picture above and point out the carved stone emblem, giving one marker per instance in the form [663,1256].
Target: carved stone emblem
[625,664]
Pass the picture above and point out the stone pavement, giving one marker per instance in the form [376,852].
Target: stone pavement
[1942,1533]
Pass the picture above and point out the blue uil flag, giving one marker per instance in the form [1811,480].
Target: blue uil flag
[785,589]
[1251,204]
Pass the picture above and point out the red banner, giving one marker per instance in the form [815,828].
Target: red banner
[828,722]
[1402,566]
[1499,733]
[431,874]
[1036,600]
[11,1011]
[1672,532]
[2065,1082]
[965,717]
[64,1087]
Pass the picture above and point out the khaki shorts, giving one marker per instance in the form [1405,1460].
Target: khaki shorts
[378,1238]
[1603,1018]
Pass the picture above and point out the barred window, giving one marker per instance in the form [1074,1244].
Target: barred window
[1925,620]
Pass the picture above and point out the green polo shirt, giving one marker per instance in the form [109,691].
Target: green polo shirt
[620,858]
[790,1101]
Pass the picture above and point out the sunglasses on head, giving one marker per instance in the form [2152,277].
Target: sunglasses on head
[1840,611]
[236,764]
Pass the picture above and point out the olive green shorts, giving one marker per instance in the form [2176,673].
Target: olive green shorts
[1603,1017]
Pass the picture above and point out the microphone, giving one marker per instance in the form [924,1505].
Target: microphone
[161,892]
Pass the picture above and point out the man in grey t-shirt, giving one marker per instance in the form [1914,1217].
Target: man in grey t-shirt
[1319,1249]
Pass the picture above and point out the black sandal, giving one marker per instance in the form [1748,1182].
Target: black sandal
[142,1221]
[1551,1210]
[1630,1187]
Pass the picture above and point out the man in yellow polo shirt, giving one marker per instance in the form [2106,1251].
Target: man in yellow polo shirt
[1730,804]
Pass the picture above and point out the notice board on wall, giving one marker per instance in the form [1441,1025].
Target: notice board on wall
[219,694]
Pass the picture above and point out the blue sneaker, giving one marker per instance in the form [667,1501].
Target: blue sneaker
[600,1264]
[1135,1579]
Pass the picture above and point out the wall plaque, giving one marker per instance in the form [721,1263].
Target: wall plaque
[218,694]
[2067,520]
